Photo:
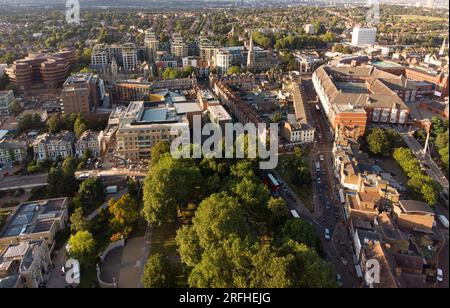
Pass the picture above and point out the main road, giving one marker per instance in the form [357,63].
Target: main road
[23,181]
[432,169]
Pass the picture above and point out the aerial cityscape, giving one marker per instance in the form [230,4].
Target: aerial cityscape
[224,144]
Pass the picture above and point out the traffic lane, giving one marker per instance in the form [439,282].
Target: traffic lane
[443,263]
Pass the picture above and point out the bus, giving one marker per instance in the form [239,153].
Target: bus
[273,183]
[295,214]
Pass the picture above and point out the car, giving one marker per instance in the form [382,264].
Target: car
[440,275]
[328,206]
[327,234]
[324,219]
[339,281]
[322,158]
[319,181]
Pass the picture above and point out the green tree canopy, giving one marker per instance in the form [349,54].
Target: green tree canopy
[157,272]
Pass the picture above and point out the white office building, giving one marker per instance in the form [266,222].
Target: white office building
[364,36]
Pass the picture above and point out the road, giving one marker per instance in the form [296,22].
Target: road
[23,181]
[328,212]
[432,169]
[327,204]
[112,173]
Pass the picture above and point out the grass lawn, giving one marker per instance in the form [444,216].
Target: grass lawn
[163,242]
[285,170]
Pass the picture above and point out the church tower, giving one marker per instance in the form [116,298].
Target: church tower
[251,54]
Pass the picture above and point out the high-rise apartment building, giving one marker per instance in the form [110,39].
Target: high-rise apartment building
[129,57]
[207,51]
[81,93]
[179,48]
[364,36]
[151,43]
[125,55]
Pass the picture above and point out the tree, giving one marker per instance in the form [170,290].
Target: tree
[91,193]
[77,221]
[279,210]
[252,194]
[16,108]
[277,118]
[301,232]
[125,214]
[82,246]
[270,270]
[378,142]
[169,186]
[219,217]
[170,73]
[80,126]
[188,246]
[159,149]
[429,194]
[234,70]
[157,272]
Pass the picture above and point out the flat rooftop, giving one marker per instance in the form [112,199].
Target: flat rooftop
[154,115]
[34,217]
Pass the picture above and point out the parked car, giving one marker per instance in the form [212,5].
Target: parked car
[339,281]
[440,275]
[327,234]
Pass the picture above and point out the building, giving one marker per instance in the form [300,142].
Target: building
[40,70]
[129,57]
[353,96]
[35,221]
[218,115]
[89,142]
[299,129]
[126,55]
[142,125]
[439,80]
[178,47]
[192,61]
[124,92]
[82,93]
[151,42]
[252,57]
[240,109]
[25,265]
[414,216]
[224,60]
[3,69]
[364,36]
[6,101]
[12,151]
[309,29]
[307,62]
[207,51]
[54,146]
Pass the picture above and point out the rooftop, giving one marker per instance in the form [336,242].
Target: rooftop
[413,206]
[34,217]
